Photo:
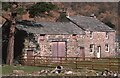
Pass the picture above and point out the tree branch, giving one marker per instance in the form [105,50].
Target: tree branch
[6,17]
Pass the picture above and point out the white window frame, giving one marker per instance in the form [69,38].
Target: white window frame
[119,46]
[106,35]
[107,45]
[92,47]
[91,34]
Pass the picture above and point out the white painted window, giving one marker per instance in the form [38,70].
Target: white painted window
[92,48]
[118,45]
[91,35]
[106,36]
[106,48]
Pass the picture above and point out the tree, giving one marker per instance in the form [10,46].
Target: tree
[62,17]
[110,25]
[12,24]
[6,5]
[40,8]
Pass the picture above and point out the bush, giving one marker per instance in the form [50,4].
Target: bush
[6,6]
[40,7]
[20,11]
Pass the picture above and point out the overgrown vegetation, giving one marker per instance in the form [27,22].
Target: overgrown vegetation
[40,8]
[62,17]
[20,11]
[6,6]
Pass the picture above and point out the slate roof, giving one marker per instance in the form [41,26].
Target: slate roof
[90,23]
[118,38]
[52,28]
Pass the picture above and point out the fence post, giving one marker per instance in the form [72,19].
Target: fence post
[46,60]
[92,63]
[109,64]
[76,62]
[34,60]
[60,60]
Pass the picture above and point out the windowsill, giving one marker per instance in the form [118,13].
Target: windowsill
[91,52]
[107,51]
[91,38]
[106,38]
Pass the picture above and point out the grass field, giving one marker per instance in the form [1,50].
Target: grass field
[6,69]
[95,64]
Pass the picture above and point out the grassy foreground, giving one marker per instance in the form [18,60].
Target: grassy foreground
[6,69]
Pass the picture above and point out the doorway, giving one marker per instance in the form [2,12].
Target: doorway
[98,51]
[58,49]
[82,52]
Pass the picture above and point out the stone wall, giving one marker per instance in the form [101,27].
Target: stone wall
[99,39]
[75,42]
[72,44]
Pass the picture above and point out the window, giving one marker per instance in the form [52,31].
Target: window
[74,36]
[91,34]
[42,37]
[106,47]
[106,35]
[92,46]
[118,45]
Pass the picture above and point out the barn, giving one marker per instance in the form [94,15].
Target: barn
[80,37]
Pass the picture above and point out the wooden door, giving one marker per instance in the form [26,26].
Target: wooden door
[82,52]
[54,48]
[61,49]
[58,49]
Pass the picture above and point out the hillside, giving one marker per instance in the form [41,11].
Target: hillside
[106,12]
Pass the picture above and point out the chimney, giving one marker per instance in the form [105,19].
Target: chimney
[68,15]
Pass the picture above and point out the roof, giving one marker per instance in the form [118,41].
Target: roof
[118,38]
[52,28]
[89,23]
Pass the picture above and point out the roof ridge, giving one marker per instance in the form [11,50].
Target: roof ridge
[75,23]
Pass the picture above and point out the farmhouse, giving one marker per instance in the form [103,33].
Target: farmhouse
[81,37]
[99,38]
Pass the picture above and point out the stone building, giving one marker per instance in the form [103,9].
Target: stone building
[81,37]
[99,38]
[56,39]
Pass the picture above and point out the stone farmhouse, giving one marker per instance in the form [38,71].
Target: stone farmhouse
[80,37]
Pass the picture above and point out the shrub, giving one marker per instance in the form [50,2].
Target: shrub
[41,7]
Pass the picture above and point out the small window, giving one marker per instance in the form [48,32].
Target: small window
[118,45]
[92,46]
[106,47]
[91,34]
[42,34]
[42,37]
[107,36]
[74,36]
